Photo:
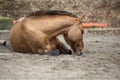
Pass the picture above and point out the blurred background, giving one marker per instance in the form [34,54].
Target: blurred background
[103,11]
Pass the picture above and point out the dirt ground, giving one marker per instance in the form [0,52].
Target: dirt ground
[101,63]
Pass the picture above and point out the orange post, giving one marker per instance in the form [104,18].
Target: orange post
[90,25]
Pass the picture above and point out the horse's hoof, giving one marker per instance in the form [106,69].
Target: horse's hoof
[69,52]
[55,52]
[66,51]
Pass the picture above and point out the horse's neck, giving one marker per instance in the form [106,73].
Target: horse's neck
[64,30]
[56,25]
[61,31]
[61,26]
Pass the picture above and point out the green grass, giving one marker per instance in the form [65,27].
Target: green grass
[94,26]
[5,23]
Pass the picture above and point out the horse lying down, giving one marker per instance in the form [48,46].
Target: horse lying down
[37,33]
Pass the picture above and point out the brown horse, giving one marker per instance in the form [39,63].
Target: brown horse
[37,31]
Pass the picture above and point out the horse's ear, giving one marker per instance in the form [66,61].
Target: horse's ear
[80,18]
[80,21]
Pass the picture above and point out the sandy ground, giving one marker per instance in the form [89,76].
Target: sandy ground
[102,62]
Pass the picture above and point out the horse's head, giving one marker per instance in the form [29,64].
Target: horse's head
[74,37]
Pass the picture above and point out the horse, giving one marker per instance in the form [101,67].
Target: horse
[37,31]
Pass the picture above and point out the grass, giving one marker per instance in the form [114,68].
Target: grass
[94,26]
[5,23]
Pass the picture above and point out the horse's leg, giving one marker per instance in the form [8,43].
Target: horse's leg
[63,49]
[56,43]
[39,43]
[35,39]
[67,39]
[32,46]
[35,46]
[43,51]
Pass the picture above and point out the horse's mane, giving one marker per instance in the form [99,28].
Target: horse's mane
[51,13]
